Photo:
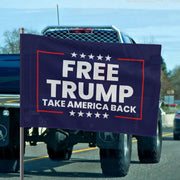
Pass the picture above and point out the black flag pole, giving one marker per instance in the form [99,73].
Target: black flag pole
[21,140]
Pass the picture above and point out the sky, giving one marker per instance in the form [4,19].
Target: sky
[146,21]
[130,4]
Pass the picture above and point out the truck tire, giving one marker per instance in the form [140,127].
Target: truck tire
[9,160]
[57,146]
[116,162]
[149,148]
[59,155]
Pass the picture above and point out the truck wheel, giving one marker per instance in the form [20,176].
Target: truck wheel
[57,146]
[149,148]
[9,160]
[116,162]
[60,155]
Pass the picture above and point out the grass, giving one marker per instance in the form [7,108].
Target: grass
[170,110]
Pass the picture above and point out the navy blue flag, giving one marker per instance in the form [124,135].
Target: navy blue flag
[91,86]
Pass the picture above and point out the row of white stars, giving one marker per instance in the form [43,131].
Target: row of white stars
[88,114]
[91,56]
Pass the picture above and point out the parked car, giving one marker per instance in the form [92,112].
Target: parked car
[176,130]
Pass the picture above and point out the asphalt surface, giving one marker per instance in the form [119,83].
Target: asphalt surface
[85,164]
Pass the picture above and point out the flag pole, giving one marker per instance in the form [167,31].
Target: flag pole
[21,141]
[57,13]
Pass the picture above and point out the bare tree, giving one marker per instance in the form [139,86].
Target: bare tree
[175,81]
[12,41]
[165,83]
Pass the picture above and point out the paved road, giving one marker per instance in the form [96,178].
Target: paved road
[85,164]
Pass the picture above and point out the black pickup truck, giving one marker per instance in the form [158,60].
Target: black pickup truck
[115,149]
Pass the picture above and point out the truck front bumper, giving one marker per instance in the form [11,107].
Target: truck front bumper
[7,102]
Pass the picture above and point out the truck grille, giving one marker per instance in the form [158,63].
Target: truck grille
[96,35]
